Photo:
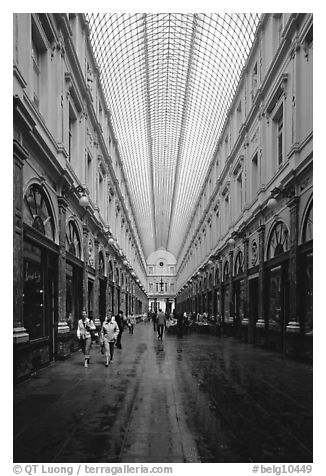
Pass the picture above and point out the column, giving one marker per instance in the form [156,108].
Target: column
[63,331]
[19,332]
[231,300]
[261,278]
[108,298]
[293,325]
[245,320]
[85,266]
[219,301]
[62,324]
[96,311]
[123,300]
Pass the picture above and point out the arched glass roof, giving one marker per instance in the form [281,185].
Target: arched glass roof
[169,80]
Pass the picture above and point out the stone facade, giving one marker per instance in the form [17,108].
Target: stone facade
[259,191]
[64,148]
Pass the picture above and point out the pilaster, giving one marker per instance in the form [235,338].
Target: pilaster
[245,320]
[294,324]
[231,300]
[85,265]
[19,332]
[261,278]
[62,330]
[108,294]
[62,323]
[96,311]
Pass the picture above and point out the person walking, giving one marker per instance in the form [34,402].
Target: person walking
[120,321]
[84,329]
[154,320]
[109,334]
[131,323]
[181,318]
[161,323]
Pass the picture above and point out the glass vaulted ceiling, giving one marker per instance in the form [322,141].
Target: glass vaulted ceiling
[169,80]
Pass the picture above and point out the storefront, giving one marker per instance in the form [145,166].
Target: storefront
[239,296]
[253,303]
[306,282]
[277,286]
[40,263]
[74,275]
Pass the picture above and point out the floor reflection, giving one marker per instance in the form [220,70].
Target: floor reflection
[195,399]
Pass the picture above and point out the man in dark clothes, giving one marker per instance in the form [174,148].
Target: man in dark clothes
[120,322]
[161,324]
[180,323]
[154,320]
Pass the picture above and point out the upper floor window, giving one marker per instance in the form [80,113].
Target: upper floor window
[100,198]
[72,139]
[254,176]
[40,41]
[239,193]
[238,116]
[226,212]
[254,81]
[89,171]
[280,27]
[36,55]
[280,140]
[278,136]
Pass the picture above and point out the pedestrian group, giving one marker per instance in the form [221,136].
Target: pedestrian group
[110,334]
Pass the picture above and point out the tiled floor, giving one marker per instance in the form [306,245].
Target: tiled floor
[192,399]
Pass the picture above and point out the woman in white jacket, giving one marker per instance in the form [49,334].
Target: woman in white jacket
[84,328]
[109,334]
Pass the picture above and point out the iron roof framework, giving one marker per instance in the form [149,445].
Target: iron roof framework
[169,80]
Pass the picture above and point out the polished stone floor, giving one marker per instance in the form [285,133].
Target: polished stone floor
[199,398]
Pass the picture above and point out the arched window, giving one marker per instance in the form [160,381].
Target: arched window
[73,244]
[226,271]
[37,211]
[117,277]
[238,265]
[278,242]
[110,271]
[210,280]
[101,263]
[308,226]
[217,276]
